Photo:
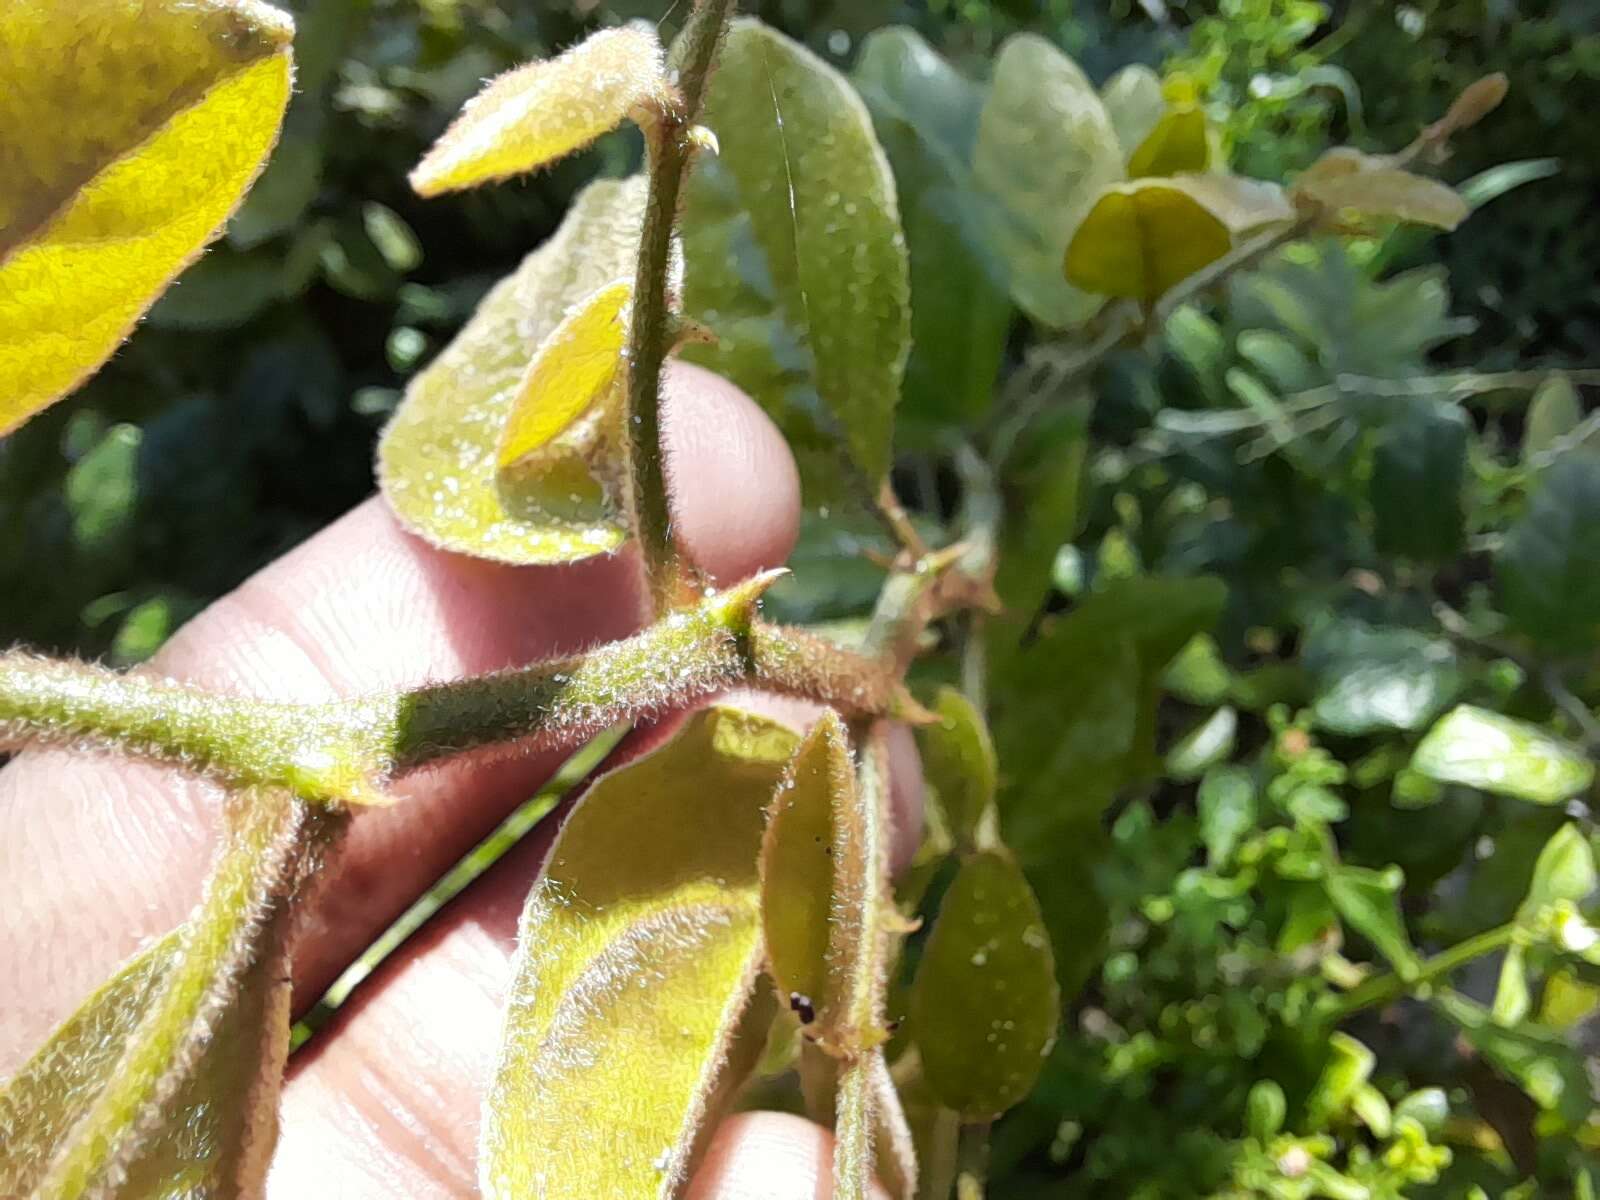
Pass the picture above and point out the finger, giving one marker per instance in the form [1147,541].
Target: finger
[386,1102]
[767,1156]
[100,856]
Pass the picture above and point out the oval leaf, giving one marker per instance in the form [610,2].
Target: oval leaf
[128,133]
[545,110]
[958,760]
[637,953]
[575,367]
[1046,149]
[797,867]
[1142,238]
[1346,181]
[985,1004]
[439,459]
[800,199]
[1499,754]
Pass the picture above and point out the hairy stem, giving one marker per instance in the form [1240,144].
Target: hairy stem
[671,153]
[344,752]
[863,944]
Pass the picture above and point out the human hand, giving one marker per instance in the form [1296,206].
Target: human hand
[97,857]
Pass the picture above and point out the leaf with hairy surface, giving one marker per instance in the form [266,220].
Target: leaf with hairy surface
[439,461]
[168,1076]
[129,131]
[795,257]
[574,369]
[545,110]
[637,954]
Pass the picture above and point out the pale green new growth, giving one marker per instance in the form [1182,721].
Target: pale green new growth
[1046,149]
[1134,104]
[636,956]
[1500,754]
[545,110]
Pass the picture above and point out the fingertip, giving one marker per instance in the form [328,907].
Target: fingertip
[735,487]
[767,1156]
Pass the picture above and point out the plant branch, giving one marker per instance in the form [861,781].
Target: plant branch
[972,1160]
[1388,987]
[344,752]
[668,135]
[860,944]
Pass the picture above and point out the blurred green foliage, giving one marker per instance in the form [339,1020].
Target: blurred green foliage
[1294,698]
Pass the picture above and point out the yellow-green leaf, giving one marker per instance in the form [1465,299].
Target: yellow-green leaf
[439,459]
[637,953]
[166,1080]
[985,1002]
[545,110]
[797,867]
[1046,148]
[1143,237]
[958,760]
[129,130]
[1179,143]
[575,367]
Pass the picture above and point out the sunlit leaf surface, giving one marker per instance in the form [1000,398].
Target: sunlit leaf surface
[1501,754]
[795,257]
[1134,103]
[574,369]
[128,133]
[545,110]
[637,954]
[439,460]
[1046,148]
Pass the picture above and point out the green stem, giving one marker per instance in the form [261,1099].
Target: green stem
[651,335]
[344,752]
[1386,988]
[972,1161]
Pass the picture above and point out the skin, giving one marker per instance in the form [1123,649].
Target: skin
[99,856]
